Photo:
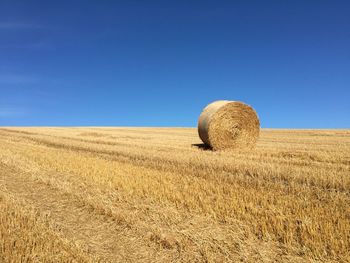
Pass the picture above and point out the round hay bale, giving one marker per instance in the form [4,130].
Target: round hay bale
[229,125]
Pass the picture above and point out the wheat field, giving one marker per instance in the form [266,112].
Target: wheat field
[158,195]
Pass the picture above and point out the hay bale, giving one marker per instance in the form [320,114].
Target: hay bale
[229,125]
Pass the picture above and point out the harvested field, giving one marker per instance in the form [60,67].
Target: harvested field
[158,195]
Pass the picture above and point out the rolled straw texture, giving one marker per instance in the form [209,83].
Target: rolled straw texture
[229,125]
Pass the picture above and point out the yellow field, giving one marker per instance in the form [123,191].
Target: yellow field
[157,195]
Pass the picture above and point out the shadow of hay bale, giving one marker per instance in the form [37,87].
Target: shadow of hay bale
[202,146]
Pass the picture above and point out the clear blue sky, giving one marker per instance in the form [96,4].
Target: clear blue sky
[158,63]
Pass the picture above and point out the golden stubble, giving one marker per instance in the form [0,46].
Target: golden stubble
[291,192]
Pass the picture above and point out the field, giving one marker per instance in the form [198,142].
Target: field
[158,195]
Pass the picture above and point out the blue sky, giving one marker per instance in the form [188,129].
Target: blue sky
[158,63]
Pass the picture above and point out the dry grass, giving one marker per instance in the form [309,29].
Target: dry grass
[26,237]
[156,195]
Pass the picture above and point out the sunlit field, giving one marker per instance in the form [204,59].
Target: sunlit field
[159,195]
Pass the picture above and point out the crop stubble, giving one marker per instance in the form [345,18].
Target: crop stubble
[154,194]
